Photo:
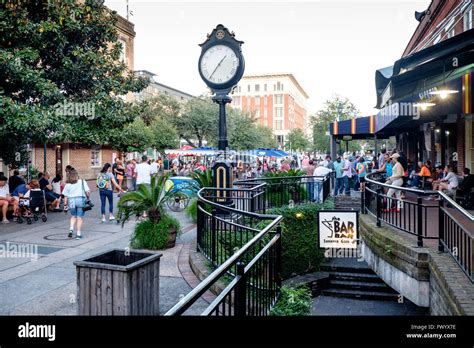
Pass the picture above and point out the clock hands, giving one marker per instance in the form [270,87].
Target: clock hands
[210,76]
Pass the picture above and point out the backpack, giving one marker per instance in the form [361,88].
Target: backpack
[103,181]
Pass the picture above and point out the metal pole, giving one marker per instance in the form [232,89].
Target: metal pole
[441,225]
[240,291]
[379,206]
[419,203]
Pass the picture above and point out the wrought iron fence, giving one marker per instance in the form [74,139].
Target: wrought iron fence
[454,236]
[437,218]
[243,243]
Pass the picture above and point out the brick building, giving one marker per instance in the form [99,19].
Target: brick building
[87,159]
[425,97]
[277,101]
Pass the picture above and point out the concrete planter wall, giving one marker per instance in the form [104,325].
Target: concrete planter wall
[119,283]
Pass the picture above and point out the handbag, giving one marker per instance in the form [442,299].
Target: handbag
[88,204]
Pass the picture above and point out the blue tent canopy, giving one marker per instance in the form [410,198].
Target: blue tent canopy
[269,153]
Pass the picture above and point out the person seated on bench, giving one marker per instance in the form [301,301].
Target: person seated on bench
[5,199]
[423,174]
[450,182]
[467,183]
[50,195]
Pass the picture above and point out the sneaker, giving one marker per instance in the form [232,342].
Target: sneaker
[5,221]
[103,220]
[79,236]
[111,218]
[71,232]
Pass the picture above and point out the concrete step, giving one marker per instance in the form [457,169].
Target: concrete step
[373,278]
[361,294]
[332,267]
[361,285]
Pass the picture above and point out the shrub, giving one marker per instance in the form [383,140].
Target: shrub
[293,302]
[149,235]
[300,251]
[191,209]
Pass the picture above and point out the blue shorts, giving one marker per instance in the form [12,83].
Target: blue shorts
[75,206]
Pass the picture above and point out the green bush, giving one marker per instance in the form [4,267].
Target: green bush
[191,209]
[300,251]
[293,302]
[149,235]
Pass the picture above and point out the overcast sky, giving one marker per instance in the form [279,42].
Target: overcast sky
[331,46]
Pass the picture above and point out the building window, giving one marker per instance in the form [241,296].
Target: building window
[278,125]
[257,113]
[280,139]
[467,19]
[257,88]
[279,112]
[265,101]
[257,100]
[248,88]
[265,87]
[278,99]
[95,156]
[236,101]
[451,33]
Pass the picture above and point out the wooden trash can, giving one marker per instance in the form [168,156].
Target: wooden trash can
[119,282]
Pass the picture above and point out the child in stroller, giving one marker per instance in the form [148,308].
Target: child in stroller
[32,205]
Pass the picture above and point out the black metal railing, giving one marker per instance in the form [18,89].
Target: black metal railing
[243,243]
[251,270]
[406,209]
[431,215]
[280,191]
[454,234]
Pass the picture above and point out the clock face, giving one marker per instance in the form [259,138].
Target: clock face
[219,64]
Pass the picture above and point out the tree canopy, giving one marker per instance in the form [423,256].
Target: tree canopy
[58,57]
[335,108]
[297,140]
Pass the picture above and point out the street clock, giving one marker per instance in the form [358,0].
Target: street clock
[221,64]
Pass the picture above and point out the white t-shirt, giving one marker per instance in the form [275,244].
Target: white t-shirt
[154,168]
[321,171]
[75,190]
[4,191]
[56,187]
[144,172]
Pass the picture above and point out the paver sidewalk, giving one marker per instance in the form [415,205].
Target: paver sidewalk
[45,284]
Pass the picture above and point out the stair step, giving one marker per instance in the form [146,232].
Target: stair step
[361,285]
[360,294]
[355,276]
[332,268]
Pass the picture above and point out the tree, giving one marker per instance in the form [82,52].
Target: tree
[164,134]
[266,138]
[297,140]
[336,108]
[135,136]
[198,121]
[57,57]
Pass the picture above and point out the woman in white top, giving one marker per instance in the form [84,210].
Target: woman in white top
[76,192]
[396,180]
[449,182]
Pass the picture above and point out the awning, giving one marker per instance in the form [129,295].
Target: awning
[356,128]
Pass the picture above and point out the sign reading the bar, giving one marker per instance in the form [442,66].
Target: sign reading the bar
[338,229]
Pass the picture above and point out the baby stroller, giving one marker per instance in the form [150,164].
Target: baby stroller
[33,208]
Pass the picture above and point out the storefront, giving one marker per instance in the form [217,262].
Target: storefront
[425,101]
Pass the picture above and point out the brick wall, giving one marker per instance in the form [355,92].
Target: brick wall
[461,143]
[38,159]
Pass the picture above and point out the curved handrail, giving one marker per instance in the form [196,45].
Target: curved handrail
[263,178]
[455,205]
[406,189]
[203,286]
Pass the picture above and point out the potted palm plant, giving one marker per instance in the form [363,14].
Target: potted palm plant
[158,229]
[201,179]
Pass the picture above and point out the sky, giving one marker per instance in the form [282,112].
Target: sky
[331,46]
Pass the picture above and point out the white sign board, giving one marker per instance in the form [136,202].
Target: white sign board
[338,229]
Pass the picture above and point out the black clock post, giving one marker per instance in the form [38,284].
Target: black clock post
[221,66]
